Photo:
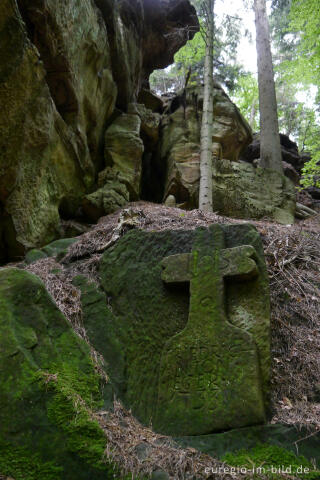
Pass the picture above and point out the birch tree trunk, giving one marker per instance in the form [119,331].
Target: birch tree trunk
[205,192]
[270,149]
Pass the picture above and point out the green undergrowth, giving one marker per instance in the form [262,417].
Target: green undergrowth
[271,460]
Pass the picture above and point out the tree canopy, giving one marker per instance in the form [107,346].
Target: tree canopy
[304,19]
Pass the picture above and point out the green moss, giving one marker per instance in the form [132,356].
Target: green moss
[25,465]
[34,255]
[48,385]
[76,396]
[209,373]
[98,322]
[272,459]
[286,436]
[58,248]
[147,316]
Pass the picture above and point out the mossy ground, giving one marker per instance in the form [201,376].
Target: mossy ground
[272,459]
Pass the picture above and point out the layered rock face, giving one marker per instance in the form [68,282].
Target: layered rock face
[293,162]
[180,140]
[64,68]
[54,107]
[239,189]
[243,191]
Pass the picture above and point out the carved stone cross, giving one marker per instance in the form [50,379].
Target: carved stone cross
[209,373]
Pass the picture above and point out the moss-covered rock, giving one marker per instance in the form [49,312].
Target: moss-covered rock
[107,199]
[34,255]
[48,389]
[63,67]
[58,249]
[147,315]
[180,140]
[99,323]
[272,461]
[243,191]
[209,373]
[301,441]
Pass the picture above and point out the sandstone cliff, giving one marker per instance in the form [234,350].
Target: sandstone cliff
[67,69]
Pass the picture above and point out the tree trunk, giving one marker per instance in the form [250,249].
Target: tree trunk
[205,193]
[252,113]
[270,149]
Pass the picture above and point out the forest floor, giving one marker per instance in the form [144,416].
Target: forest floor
[292,257]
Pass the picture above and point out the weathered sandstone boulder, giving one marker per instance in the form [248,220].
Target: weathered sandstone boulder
[150,123]
[111,195]
[289,150]
[64,66]
[124,149]
[239,189]
[242,190]
[128,142]
[180,140]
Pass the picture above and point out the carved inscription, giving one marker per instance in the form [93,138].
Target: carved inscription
[209,373]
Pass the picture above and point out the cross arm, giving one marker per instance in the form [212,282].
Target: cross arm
[176,269]
[239,262]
